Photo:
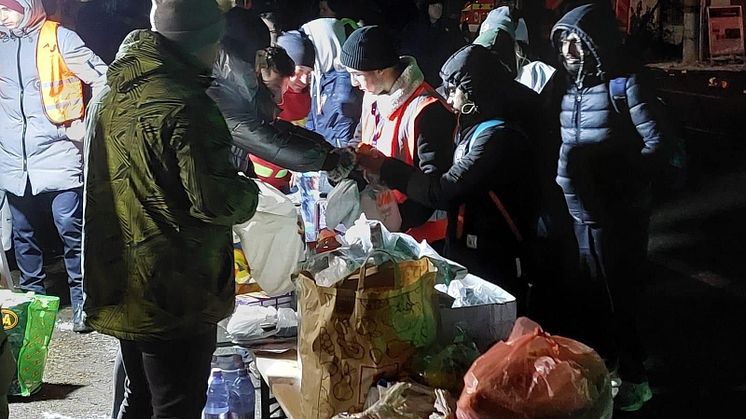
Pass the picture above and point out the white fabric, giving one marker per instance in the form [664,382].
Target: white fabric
[521,31]
[327,36]
[343,204]
[535,75]
[272,241]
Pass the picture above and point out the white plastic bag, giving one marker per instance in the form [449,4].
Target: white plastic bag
[271,241]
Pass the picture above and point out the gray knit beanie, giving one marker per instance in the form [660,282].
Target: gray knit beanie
[193,24]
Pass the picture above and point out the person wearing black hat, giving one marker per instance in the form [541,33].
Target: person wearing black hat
[489,192]
[403,117]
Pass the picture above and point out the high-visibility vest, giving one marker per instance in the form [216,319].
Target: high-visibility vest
[393,141]
[61,89]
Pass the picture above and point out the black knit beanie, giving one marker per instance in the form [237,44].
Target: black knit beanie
[192,24]
[369,48]
[245,33]
[298,47]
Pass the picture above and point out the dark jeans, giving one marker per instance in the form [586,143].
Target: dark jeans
[614,263]
[167,379]
[28,213]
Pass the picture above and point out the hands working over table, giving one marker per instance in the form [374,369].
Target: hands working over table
[369,159]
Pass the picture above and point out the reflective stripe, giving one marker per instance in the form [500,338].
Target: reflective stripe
[61,89]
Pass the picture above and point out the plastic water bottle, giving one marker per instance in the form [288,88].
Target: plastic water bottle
[231,369]
[242,397]
[217,397]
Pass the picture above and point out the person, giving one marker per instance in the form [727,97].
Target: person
[497,33]
[161,198]
[403,117]
[296,102]
[335,103]
[431,39]
[489,192]
[610,153]
[41,79]
[248,91]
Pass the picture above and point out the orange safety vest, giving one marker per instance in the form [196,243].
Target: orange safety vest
[61,89]
[402,145]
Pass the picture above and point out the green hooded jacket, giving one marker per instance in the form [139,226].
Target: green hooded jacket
[160,198]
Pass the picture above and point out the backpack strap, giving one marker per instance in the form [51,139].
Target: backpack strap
[482,127]
[618,95]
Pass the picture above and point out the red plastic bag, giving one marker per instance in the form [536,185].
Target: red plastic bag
[536,375]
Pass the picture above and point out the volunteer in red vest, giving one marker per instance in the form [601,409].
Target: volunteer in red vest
[42,72]
[403,117]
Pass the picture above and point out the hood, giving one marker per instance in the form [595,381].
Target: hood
[596,26]
[237,73]
[499,19]
[144,54]
[33,18]
[478,73]
[328,35]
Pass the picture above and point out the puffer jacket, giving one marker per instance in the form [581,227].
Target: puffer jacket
[336,104]
[33,149]
[161,196]
[607,158]
[250,111]
[336,112]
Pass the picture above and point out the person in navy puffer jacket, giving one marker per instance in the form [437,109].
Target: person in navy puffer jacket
[611,150]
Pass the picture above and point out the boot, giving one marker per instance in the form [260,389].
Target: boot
[79,325]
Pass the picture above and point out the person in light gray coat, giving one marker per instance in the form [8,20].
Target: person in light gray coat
[41,151]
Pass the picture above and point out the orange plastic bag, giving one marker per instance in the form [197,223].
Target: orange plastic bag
[536,375]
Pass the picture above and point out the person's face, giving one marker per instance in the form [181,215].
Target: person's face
[435,11]
[367,81]
[325,11]
[10,18]
[458,100]
[572,51]
[301,79]
[276,83]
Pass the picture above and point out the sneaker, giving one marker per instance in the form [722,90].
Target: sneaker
[631,396]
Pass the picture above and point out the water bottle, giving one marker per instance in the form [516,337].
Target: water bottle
[217,397]
[231,368]
[242,397]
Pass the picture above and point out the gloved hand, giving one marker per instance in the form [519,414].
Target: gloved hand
[345,163]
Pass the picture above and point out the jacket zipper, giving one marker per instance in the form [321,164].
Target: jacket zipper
[23,111]
[578,99]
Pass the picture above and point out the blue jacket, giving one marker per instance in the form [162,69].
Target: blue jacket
[608,158]
[336,106]
[31,147]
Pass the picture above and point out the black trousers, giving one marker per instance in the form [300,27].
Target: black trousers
[613,263]
[167,379]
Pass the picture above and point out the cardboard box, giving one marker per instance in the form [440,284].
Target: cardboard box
[485,323]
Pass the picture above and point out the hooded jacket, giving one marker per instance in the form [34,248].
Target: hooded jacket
[33,149]
[161,197]
[607,159]
[498,159]
[250,111]
[335,103]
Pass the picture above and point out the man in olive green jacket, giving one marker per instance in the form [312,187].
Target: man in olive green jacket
[161,197]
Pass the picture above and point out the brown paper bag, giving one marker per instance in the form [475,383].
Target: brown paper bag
[362,330]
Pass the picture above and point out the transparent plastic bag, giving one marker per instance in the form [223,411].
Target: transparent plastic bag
[536,375]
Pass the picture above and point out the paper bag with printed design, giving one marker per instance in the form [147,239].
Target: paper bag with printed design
[364,329]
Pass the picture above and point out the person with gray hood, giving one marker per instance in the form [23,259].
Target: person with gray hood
[614,143]
[42,73]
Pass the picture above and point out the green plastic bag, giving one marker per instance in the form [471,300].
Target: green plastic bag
[29,322]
